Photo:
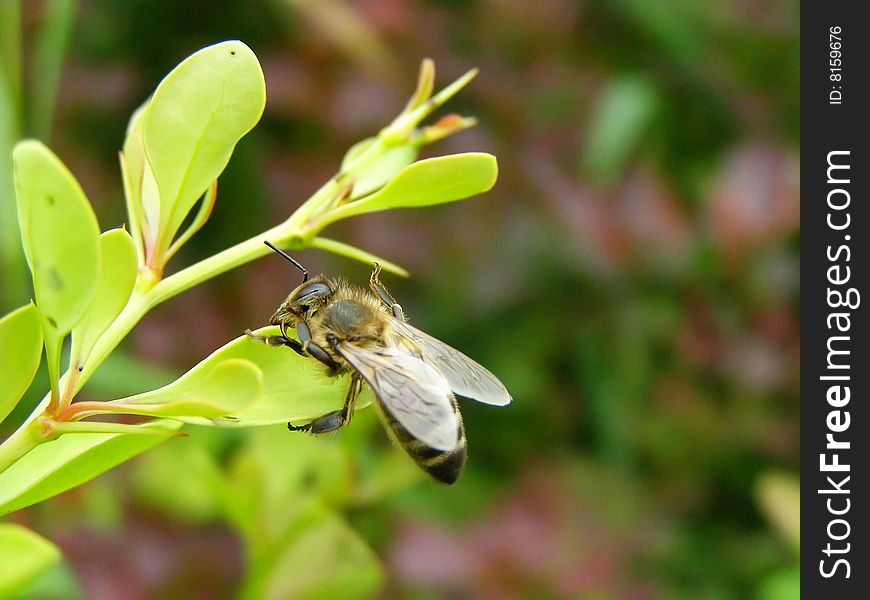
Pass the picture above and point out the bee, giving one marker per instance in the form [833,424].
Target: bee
[413,375]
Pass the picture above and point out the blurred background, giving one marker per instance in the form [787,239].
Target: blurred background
[633,278]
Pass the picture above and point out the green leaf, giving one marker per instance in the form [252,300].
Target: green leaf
[21,341]
[133,167]
[10,54]
[425,84]
[58,581]
[117,276]
[60,236]
[355,253]
[194,120]
[123,374]
[294,388]
[779,497]
[49,46]
[69,461]
[356,151]
[426,182]
[133,152]
[391,472]
[279,494]
[621,118]
[15,285]
[323,558]
[59,233]
[277,475]
[403,125]
[382,169]
[183,477]
[218,390]
[24,555]
[784,584]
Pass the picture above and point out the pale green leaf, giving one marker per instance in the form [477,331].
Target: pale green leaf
[294,388]
[620,120]
[47,48]
[355,253]
[59,233]
[133,167]
[15,284]
[151,208]
[382,169]
[57,582]
[779,497]
[69,461]
[206,205]
[123,374]
[117,276]
[194,120]
[425,84]
[24,555]
[783,584]
[426,182]
[183,477]
[60,236]
[323,558]
[356,151]
[218,390]
[133,153]
[278,473]
[403,125]
[21,342]
[392,472]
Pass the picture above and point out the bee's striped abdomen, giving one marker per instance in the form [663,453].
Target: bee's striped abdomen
[445,466]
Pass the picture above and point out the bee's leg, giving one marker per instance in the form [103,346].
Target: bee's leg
[277,340]
[337,418]
[381,292]
[312,349]
[320,354]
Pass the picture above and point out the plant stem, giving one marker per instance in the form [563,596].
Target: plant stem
[25,439]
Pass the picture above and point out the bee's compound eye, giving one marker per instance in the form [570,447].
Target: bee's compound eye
[311,292]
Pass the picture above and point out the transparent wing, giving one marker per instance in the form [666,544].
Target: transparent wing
[411,391]
[465,376]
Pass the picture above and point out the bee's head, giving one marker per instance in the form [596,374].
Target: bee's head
[303,301]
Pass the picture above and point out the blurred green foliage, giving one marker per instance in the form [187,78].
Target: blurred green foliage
[633,278]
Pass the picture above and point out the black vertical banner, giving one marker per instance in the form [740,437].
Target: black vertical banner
[835,225]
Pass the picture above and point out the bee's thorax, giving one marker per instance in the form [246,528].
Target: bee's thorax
[351,314]
[350,319]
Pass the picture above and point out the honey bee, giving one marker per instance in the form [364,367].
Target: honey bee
[413,375]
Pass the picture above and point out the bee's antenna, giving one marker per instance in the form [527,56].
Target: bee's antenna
[291,259]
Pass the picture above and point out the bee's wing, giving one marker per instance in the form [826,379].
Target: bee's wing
[465,376]
[413,393]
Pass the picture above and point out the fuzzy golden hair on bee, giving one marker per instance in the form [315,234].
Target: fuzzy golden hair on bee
[364,333]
